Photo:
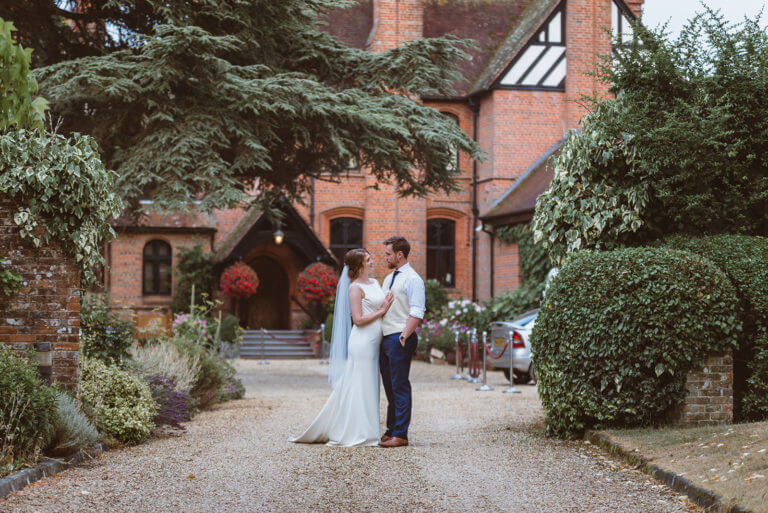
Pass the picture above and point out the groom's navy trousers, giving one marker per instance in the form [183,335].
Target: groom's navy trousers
[395,364]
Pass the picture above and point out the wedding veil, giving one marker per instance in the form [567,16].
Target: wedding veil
[342,326]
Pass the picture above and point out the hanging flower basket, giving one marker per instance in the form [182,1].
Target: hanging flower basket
[239,281]
[317,284]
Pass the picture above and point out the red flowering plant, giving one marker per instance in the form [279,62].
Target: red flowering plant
[317,285]
[239,281]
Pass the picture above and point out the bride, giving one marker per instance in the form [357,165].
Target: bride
[351,413]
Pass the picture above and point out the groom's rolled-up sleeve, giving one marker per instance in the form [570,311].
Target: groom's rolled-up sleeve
[417,302]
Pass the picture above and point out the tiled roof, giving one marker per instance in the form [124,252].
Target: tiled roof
[488,22]
[351,25]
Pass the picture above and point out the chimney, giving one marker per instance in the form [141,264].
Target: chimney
[394,22]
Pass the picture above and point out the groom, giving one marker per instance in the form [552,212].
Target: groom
[399,343]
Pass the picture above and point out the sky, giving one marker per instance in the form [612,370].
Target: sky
[677,12]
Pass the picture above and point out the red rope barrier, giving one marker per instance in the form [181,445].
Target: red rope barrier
[474,360]
[488,351]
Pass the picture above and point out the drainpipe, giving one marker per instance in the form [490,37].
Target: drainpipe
[475,107]
[312,203]
[493,252]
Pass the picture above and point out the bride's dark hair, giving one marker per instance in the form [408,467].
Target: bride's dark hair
[355,261]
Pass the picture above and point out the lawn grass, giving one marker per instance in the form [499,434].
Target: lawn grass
[730,460]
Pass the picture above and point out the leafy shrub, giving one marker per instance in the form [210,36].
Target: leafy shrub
[681,148]
[104,335]
[73,431]
[173,405]
[166,358]
[120,403]
[27,410]
[441,334]
[232,387]
[211,374]
[230,330]
[744,260]
[436,297]
[619,330]
[193,267]
[464,312]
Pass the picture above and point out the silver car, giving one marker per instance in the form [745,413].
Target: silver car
[517,333]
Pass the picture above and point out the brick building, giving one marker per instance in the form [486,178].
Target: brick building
[516,98]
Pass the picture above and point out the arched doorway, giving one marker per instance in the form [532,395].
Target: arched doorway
[270,307]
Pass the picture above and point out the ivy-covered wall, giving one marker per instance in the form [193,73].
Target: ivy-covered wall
[47,306]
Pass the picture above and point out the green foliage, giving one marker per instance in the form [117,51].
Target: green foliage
[682,148]
[193,267]
[73,430]
[233,387]
[18,108]
[744,260]
[27,410]
[272,100]
[230,330]
[104,335]
[534,266]
[10,280]
[213,371]
[120,402]
[65,192]
[619,330]
[166,357]
[436,297]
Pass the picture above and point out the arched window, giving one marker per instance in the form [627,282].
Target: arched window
[453,164]
[346,234]
[441,251]
[156,272]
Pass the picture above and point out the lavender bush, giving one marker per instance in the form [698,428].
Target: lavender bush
[173,406]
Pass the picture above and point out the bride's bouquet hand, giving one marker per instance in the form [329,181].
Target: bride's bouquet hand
[388,300]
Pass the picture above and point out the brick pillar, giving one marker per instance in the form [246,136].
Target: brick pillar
[396,21]
[710,393]
[47,308]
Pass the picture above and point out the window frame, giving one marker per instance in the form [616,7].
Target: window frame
[156,260]
[440,249]
[346,246]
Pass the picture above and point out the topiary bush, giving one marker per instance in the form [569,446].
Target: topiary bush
[120,402]
[744,259]
[73,429]
[27,410]
[619,330]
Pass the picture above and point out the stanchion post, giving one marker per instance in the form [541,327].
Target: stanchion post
[511,389]
[263,359]
[470,339]
[458,359]
[323,346]
[485,387]
[476,354]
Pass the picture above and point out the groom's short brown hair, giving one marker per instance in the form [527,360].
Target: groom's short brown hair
[399,244]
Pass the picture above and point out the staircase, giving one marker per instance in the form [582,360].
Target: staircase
[278,344]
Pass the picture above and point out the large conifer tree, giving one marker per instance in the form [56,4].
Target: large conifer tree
[223,96]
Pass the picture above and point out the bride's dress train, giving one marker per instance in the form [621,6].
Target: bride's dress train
[351,414]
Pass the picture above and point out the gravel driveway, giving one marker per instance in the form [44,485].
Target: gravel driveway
[470,451]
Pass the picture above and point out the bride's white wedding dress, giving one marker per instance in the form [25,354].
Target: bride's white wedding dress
[351,414]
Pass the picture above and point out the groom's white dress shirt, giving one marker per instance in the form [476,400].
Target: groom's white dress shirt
[409,294]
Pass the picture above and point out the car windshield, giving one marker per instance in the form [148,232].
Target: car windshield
[525,321]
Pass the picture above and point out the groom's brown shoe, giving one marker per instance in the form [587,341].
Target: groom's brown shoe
[394,442]
[384,438]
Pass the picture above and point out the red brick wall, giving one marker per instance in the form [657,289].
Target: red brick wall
[47,308]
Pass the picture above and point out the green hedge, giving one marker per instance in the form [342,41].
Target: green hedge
[619,330]
[744,259]
[27,410]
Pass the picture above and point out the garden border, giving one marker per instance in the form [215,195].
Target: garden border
[707,499]
[22,478]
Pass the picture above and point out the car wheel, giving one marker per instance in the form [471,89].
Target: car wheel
[521,378]
[506,373]
[531,375]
